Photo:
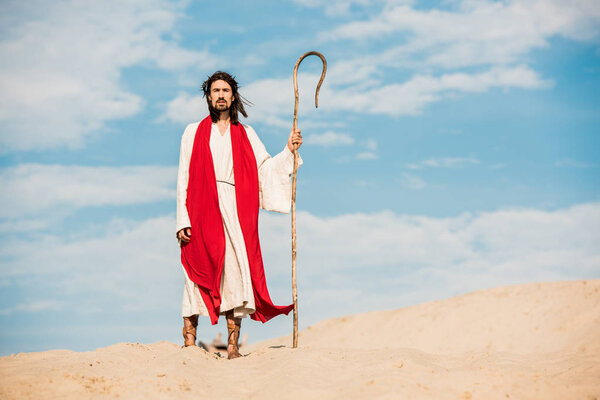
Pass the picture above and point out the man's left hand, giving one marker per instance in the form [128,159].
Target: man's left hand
[295,140]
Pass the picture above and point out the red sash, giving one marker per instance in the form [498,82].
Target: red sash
[203,256]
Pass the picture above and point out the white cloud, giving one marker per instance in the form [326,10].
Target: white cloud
[371,144]
[62,64]
[475,32]
[360,72]
[32,189]
[273,100]
[444,162]
[370,154]
[186,109]
[329,138]
[493,39]
[337,8]
[367,155]
[388,259]
[412,96]
[498,166]
[383,259]
[412,181]
[35,306]
[132,259]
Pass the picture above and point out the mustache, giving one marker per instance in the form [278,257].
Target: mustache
[218,105]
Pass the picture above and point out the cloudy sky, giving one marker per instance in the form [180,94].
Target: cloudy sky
[456,147]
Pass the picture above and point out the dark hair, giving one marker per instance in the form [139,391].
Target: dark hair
[238,101]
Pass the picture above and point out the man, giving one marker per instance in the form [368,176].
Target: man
[225,173]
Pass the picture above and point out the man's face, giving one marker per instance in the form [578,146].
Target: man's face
[220,95]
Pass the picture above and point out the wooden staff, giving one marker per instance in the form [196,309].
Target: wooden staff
[294,290]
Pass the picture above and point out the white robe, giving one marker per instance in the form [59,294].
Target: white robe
[275,192]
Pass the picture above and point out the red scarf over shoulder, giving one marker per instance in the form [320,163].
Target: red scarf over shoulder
[204,255]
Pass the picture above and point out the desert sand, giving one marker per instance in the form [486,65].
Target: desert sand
[534,341]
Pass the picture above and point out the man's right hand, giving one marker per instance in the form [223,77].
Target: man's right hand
[185,235]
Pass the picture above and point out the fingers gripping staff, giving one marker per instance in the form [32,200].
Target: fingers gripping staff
[295,127]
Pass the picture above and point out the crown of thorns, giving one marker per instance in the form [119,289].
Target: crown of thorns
[219,75]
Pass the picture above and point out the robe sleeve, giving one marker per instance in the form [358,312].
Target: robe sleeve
[185,153]
[274,173]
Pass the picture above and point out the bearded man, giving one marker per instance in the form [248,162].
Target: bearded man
[225,174]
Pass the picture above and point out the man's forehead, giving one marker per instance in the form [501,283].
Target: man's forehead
[220,84]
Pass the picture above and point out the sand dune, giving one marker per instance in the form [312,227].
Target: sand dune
[536,341]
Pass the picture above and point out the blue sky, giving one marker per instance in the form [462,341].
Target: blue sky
[456,148]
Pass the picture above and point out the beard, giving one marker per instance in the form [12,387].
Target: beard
[219,107]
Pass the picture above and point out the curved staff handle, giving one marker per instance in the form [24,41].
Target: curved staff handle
[322,57]
[294,290]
